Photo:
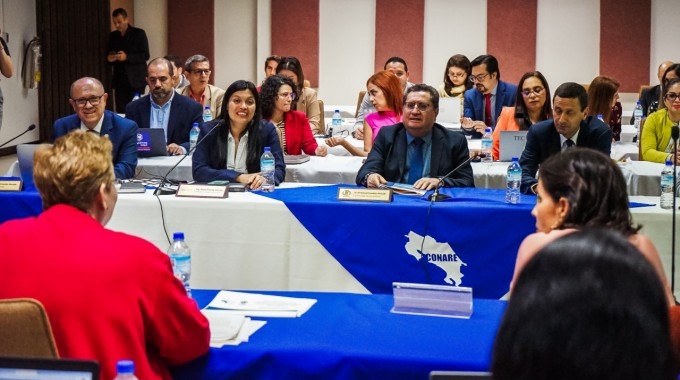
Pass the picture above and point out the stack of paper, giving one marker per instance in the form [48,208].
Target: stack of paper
[260,305]
[230,329]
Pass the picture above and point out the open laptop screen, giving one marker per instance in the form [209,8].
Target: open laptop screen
[47,369]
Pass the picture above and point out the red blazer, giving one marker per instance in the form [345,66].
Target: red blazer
[299,137]
[108,295]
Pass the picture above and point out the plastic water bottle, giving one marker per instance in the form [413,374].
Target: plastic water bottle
[207,115]
[667,193]
[193,136]
[135,97]
[267,169]
[514,178]
[180,256]
[336,124]
[637,116]
[487,145]
[125,370]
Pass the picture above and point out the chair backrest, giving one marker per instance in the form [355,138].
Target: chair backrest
[360,99]
[322,120]
[25,329]
[642,88]
[639,142]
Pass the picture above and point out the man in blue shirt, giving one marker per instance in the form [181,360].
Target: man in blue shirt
[166,109]
[484,102]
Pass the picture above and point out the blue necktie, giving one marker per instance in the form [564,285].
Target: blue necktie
[415,171]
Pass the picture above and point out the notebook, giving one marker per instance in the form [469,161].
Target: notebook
[44,369]
[449,110]
[151,142]
[512,144]
[25,157]
[294,159]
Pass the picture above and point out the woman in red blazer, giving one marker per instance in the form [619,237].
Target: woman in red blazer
[276,96]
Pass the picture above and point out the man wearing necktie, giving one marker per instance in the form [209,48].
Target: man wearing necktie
[88,100]
[484,102]
[570,127]
[418,151]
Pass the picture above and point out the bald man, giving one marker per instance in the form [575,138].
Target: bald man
[88,100]
[651,95]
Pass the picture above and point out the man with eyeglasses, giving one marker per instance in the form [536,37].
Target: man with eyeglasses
[163,108]
[398,67]
[418,151]
[197,70]
[484,102]
[128,51]
[88,100]
[571,126]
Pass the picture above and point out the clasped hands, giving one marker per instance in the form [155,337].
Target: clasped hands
[426,183]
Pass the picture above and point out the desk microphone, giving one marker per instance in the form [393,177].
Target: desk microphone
[160,190]
[30,128]
[675,133]
[435,196]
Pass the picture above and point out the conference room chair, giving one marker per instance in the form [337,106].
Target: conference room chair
[25,329]
[642,125]
[642,88]
[322,121]
[359,100]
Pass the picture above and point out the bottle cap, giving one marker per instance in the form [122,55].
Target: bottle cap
[194,125]
[125,366]
[337,110]
[488,129]
[178,236]
[669,162]
[515,159]
[267,149]
[207,107]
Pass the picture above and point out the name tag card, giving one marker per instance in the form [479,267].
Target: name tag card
[203,190]
[10,184]
[433,300]
[365,195]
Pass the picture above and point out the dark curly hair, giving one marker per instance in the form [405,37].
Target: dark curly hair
[594,187]
[269,92]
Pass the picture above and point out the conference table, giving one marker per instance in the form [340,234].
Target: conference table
[353,336]
[303,239]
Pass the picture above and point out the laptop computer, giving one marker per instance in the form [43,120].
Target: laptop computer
[44,369]
[151,142]
[25,157]
[512,144]
[450,110]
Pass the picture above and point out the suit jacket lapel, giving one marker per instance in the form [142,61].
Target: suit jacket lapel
[399,147]
[106,125]
[436,153]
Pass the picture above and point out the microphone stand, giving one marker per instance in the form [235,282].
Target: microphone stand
[30,128]
[435,196]
[675,133]
[160,190]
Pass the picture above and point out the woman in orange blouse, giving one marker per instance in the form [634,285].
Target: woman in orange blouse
[531,106]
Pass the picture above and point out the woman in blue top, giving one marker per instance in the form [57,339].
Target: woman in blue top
[232,150]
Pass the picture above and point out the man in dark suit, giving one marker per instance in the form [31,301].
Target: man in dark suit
[484,102]
[418,151]
[650,96]
[570,127]
[128,51]
[166,109]
[88,100]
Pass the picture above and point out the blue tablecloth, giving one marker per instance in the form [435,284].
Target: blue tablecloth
[353,336]
[16,205]
[471,239]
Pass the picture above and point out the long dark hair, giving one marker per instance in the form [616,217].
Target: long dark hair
[521,114]
[601,93]
[255,145]
[270,91]
[462,62]
[292,64]
[594,187]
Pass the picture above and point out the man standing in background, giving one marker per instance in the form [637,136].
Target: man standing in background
[6,69]
[128,51]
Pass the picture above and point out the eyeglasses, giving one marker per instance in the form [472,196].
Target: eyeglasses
[201,71]
[94,100]
[420,106]
[456,75]
[671,96]
[478,78]
[158,79]
[286,95]
[536,90]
